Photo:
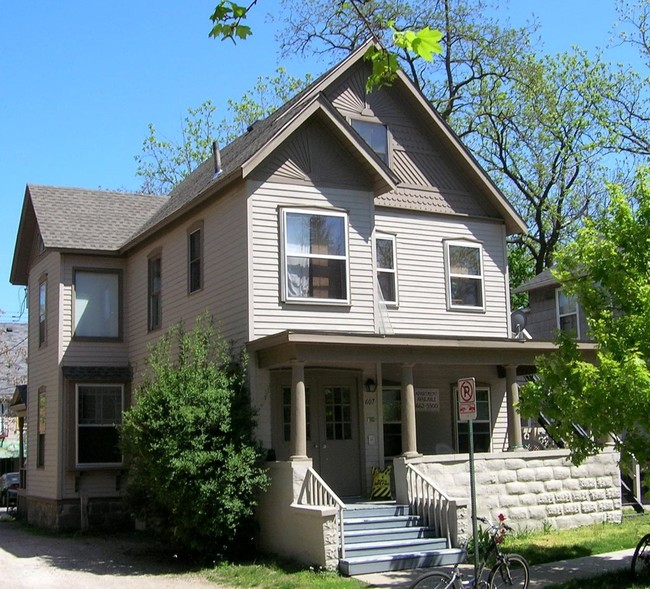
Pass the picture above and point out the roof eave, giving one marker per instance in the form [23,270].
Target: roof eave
[19,274]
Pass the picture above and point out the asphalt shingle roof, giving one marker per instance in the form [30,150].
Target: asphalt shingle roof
[76,218]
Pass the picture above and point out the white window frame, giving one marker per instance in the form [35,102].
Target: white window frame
[374,121]
[481,388]
[390,271]
[559,316]
[286,297]
[449,275]
[78,425]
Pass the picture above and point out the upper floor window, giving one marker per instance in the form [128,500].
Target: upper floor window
[195,260]
[464,262]
[40,423]
[99,416]
[154,282]
[42,312]
[386,267]
[374,134]
[97,304]
[315,257]
[567,313]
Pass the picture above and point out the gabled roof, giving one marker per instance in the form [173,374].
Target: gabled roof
[76,219]
[543,280]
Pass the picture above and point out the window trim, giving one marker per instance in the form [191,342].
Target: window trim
[84,465]
[191,231]
[42,311]
[95,270]
[393,271]
[457,421]
[152,325]
[284,275]
[449,275]
[559,316]
[374,120]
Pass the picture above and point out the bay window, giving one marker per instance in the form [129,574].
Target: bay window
[99,416]
[97,304]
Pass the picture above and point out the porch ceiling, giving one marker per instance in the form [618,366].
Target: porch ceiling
[286,347]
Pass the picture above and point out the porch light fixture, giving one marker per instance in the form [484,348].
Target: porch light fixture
[371,385]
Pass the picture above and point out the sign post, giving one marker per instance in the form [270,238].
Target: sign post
[467,412]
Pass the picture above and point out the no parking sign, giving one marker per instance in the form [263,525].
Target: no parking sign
[466,399]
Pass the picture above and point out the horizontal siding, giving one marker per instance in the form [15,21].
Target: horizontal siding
[224,292]
[421,275]
[270,315]
[43,371]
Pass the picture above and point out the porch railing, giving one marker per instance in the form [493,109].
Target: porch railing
[438,511]
[316,493]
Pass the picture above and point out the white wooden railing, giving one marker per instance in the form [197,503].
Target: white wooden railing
[316,493]
[437,510]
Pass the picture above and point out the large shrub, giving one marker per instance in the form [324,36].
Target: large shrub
[193,465]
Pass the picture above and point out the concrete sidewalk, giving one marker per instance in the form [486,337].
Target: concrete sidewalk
[541,575]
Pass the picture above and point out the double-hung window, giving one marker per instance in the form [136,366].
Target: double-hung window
[97,304]
[567,313]
[99,417]
[195,260]
[374,134]
[154,294]
[464,265]
[482,425]
[386,268]
[315,256]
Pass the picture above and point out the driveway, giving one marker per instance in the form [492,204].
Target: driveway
[29,560]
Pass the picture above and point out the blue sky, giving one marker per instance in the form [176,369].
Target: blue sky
[80,81]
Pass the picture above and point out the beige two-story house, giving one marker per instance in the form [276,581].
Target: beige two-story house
[357,249]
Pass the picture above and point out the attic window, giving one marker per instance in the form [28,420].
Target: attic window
[375,135]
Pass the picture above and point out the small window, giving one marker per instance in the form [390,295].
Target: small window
[392,426]
[41,422]
[315,256]
[567,313]
[386,268]
[195,260]
[154,290]
[482,424]
[338,413]
[99,417]
[97,304]
[42,312]
[375,135]
[464,275]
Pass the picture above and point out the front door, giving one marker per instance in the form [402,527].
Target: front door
[332,427]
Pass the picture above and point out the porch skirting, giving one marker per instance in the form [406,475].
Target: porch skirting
[532,489]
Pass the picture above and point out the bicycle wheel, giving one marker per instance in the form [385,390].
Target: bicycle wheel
[433,580]
[512,571]
[641,558]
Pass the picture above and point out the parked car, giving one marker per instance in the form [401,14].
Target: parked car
[8,481]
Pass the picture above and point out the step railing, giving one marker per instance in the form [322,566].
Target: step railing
[436,509]
[316,493]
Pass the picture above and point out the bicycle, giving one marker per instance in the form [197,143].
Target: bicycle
[641,558]
[509,570]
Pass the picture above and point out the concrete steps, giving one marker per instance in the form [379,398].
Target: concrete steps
[385,537]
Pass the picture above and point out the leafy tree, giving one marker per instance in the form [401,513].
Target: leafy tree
[164,162]
[607,268]
[188,442]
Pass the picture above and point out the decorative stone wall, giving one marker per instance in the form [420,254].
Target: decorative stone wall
[532,489]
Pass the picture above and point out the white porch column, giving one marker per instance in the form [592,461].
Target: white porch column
[409,440]
[298,412]
[514,420]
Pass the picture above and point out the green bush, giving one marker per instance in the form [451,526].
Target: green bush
[188,440]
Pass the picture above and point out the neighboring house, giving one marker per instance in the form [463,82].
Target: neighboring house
[358,251]
[551,310]
[13,372]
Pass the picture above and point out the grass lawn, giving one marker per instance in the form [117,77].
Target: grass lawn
[619,579]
